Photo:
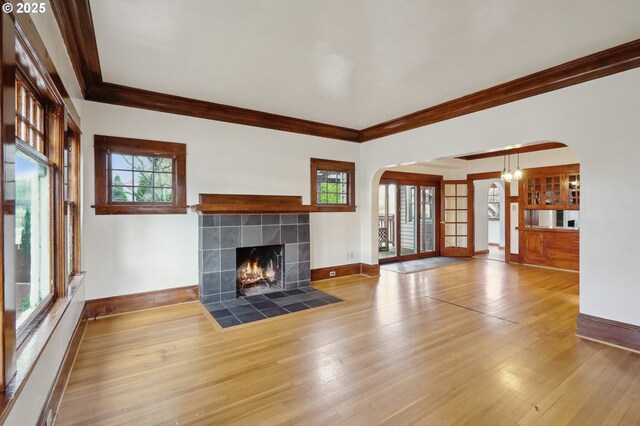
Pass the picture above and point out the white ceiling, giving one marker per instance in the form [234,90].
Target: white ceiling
[353,63]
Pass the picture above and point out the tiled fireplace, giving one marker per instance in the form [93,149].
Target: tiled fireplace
[244,255]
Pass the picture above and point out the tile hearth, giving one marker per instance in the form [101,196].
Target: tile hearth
[254,308]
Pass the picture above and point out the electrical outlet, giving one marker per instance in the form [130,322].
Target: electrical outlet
[332,273]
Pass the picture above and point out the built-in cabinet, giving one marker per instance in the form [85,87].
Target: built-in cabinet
[558,248]
[552,188]
[556,244]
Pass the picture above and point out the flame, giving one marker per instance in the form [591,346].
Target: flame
[250,272]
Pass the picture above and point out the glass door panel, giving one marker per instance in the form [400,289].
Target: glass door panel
[387,216]
[455,220]
[408,222]
[427,219]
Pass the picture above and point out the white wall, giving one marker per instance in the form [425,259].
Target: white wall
[599,120]
[137,253]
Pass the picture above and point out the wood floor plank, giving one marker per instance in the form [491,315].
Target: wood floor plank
[480,342]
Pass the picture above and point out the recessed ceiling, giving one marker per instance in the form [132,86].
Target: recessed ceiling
[352,63]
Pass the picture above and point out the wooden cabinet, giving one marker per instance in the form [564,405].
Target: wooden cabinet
[557,248]
[552,188]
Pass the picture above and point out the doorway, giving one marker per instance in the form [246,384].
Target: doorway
[491,235]
[407,217]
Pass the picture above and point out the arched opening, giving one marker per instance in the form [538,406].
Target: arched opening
[482,171]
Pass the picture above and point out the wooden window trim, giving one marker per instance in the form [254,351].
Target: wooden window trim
[73,137]
[104,145]
[338,166]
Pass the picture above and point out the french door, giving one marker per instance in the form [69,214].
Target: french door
[407,217]
[456,225]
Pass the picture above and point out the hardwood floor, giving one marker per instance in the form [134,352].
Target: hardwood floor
[478,342]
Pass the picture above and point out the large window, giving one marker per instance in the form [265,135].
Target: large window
[139,176]
[333,185]
[33,226]
[33,233]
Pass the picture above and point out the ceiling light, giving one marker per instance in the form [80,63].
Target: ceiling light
[518,173]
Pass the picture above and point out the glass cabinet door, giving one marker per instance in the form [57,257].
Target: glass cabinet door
[573,190]
[553,190]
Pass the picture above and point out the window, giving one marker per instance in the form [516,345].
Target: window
[410,199]
[333,185]
[33,214]
[33,232]
[494,202]
[136,176]
[71,190]
[29,118]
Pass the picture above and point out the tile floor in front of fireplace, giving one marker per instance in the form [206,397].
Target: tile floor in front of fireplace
[254,308]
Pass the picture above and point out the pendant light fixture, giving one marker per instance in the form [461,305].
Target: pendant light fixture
[518,173]
[506,172]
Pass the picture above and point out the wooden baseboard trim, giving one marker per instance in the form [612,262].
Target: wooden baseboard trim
[610,332]
[344,271]
[59,385]
[340,271]
[370,270]
[486,251]
[137,301]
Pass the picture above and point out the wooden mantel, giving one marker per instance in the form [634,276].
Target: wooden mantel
[237,203]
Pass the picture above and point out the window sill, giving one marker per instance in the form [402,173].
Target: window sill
[329,208]
[119,209]
[30,350]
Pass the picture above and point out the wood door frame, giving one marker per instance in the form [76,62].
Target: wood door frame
[417,180]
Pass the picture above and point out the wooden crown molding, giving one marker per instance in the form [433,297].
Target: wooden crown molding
[601,64]
[521,150]
[76,25]
[138,98]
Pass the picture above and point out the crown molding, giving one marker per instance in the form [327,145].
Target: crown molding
[601,64]
[513,151]
[76,25]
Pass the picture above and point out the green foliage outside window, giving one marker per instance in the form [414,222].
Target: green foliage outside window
[330,193]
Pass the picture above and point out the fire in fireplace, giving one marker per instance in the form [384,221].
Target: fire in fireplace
[259,270]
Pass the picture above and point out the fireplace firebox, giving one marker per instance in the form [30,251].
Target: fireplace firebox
[259,269]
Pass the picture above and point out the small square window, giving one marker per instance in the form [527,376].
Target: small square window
[333,185]
[139,176]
